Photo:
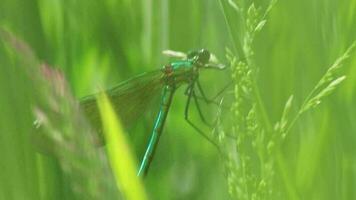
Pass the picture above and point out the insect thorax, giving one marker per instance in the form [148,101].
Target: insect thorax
[180,72]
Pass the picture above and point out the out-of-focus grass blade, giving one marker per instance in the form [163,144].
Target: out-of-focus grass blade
[119,153]
[60,130]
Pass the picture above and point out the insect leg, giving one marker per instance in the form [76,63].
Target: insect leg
[212,100]
[199,110]
[186,117]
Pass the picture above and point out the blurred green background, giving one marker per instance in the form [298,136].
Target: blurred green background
[105,42]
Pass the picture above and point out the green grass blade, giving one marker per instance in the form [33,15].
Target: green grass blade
[119,153]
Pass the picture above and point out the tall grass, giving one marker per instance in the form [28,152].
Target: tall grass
[281,139]
[255,164]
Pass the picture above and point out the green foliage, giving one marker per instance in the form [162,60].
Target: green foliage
[273,147]
[255,166]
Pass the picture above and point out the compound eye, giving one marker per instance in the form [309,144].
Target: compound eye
[192,54]
[204,56]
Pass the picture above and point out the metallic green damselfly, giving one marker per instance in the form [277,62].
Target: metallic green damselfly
[139,89]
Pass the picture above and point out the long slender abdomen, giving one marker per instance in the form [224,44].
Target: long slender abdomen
[167,96]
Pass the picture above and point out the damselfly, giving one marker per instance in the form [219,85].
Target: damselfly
[140,89]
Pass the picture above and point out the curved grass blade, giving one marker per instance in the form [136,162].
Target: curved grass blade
[130,99]
[119,153]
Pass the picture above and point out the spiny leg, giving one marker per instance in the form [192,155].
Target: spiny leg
[204,98]
[187,92]
[186,117]
[207,100]
[212,100]
[190,92]
[199,110]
